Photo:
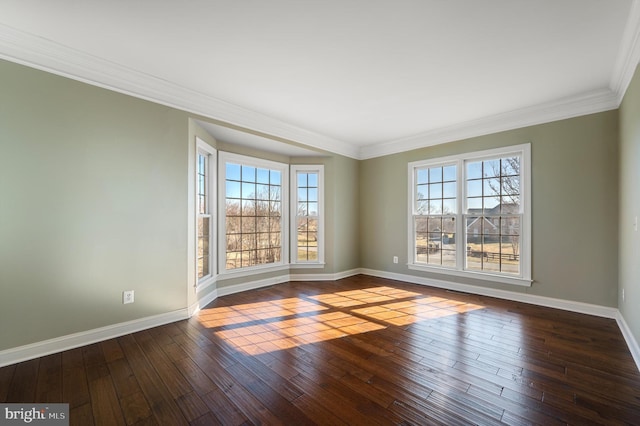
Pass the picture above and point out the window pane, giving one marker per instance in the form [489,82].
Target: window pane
[491,187]
[307,239]
[233,208]
[262,176]
[449,206]
[232,225]
[274,224]
[422,207]
[490,203]
[202,252]
[435,174]
[510,204]
[248,190]
[313,209]
[491,168]
[449,173]
[312,180]
[474,188]
[435,190]
[423,192]
[422,177]
[510,225]
[262,192]
[474,170]
[248,208]
[510,166]
[233,189]
[275,208]
[474,205]
[449,190]
[312,194]
[232,171]
[275,177]
[302,180]
[435,207]
[248,174]
[510,185]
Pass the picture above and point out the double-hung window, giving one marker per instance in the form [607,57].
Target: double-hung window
[307,215]
[471,215]
[205,208]
[253,213]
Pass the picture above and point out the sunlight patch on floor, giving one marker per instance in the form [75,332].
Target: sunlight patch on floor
[261,327]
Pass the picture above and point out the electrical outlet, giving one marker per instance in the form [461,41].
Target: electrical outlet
[127,296]
[395,259]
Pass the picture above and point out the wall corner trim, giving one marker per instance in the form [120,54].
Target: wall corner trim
[71,341]
[634,348]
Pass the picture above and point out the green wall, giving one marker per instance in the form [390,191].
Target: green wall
[95,189]
[574,207]
[629,276]
[92,202]
[96,198]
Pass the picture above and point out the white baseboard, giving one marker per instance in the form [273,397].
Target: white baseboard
[567,305]
[324,277]
[59,344]
[251,285]
[634,348]
[204,301]
[71,341]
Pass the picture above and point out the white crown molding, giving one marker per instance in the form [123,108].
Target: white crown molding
[36,52]
[590,103]
[71,341]
[628,54]
[27,49]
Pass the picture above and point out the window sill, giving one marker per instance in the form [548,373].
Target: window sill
[523,282]
[318,265]
[253,270]
[204,283]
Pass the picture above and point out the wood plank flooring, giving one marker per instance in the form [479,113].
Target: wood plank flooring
[358,351]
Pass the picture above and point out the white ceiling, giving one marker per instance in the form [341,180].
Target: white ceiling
[361,77]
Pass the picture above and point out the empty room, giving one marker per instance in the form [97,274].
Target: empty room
[415,212]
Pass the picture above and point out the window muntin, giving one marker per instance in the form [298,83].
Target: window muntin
[307,212]
[434,215]
[254,212]
[493,215]
[490,214]
[205,208]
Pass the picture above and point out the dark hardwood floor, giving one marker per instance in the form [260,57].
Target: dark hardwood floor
[358,351]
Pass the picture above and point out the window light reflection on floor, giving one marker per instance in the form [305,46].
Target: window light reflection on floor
[261,327]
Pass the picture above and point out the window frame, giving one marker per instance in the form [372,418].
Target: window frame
[244,160]
[210,153]
[524,152]
[319,170]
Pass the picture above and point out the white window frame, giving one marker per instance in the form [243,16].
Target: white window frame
[319,170]
[524,277]
[210,153]
[223,159]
